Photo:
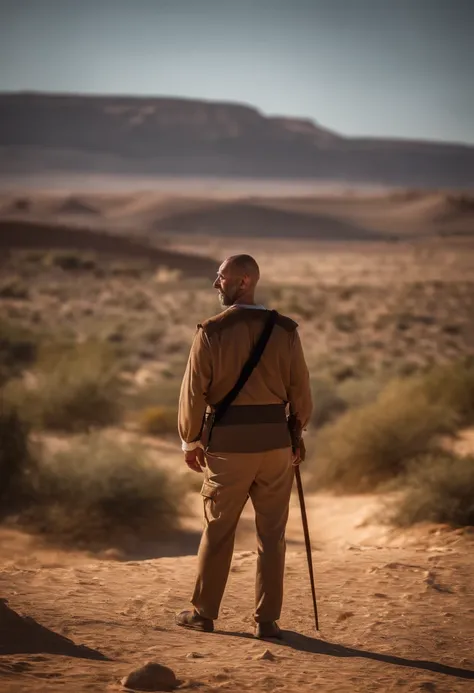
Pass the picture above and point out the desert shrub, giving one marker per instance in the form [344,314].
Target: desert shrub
[15,288]
[76,387]
[439,488]
[327,402]
[129,269]
[18,349]
[161,393]
[158,421]
[345,322]
[14,456]
[357,392]
[100,492]
[453,386]
[375,442]
[69,260]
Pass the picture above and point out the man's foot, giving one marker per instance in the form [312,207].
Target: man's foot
[268,629]
[191,619]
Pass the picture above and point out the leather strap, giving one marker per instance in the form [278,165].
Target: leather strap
[222,406]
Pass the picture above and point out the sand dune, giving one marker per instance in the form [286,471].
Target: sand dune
[75,205]
[241,218]
[336,217]
[25,234]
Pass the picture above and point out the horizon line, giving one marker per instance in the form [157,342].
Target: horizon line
[241,104]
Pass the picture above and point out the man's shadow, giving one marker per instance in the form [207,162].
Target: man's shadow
[303,643]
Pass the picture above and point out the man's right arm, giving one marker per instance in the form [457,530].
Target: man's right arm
[299,391]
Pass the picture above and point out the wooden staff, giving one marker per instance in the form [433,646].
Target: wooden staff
[307,542]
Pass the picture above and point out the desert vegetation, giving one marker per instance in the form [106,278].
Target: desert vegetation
[93,347]
[93,492]
[375,442]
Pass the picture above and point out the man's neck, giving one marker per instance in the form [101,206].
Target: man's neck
[244,301]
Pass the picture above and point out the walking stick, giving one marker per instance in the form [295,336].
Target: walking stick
[307,542]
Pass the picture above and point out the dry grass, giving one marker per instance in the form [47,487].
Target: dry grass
[72,388]
[371,444]
[95,494]
[158,421]
[439,487]
[18,348]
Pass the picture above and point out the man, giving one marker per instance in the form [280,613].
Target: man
[249,453]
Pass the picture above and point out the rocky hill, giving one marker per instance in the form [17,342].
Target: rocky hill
[179,137]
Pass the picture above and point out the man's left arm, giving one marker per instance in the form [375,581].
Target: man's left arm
[192,400]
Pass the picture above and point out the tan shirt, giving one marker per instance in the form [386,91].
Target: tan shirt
[220,348]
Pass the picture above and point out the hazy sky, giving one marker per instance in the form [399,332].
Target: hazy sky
[361,67]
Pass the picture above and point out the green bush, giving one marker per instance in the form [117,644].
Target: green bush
[439,488]
[100,493]
[375,442]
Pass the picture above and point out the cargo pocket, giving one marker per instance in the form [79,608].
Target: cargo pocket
[209,493]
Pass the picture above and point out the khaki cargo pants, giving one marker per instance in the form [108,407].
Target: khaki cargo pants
[230,478]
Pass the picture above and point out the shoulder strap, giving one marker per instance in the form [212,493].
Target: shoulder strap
[248,368]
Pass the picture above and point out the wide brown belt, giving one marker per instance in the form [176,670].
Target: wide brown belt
[250,414]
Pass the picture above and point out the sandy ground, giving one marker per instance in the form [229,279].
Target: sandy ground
[396,609]
[396,612]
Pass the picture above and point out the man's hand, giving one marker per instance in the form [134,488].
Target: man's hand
[299,454]
[296,457]
[195,459]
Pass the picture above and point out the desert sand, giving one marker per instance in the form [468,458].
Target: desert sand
[396,611]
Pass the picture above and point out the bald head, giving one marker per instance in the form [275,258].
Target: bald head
[243,266]
[236,280]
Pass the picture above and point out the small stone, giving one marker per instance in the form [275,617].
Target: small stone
[194,655]
[266,655]
[151,677]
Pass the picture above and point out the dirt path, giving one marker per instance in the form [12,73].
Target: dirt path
[396,612]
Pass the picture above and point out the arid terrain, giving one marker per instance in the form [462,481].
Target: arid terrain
[100,294]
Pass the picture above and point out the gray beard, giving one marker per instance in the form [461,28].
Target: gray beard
[225,300]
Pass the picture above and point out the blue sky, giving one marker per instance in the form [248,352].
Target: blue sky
[401,68]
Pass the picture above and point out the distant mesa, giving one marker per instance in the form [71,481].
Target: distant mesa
[64,133]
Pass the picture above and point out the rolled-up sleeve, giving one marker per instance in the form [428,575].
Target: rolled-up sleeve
[194,388]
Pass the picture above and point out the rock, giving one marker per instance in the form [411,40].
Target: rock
[266,655]
[151,677]
[194,655]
